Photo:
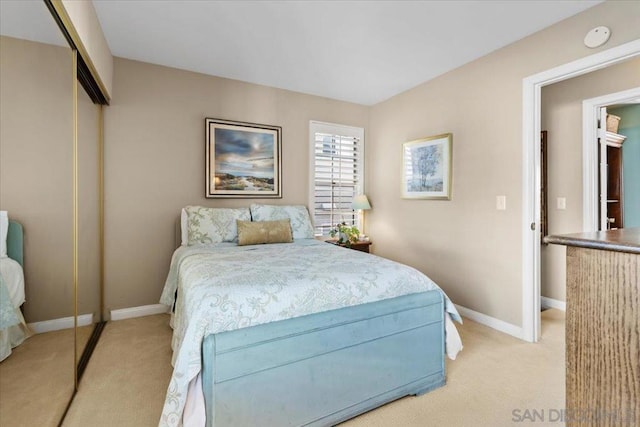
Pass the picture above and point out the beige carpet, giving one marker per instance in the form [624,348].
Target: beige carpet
[127,377]
[495,375]
[36,380]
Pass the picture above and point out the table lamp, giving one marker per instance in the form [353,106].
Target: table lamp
[361,203]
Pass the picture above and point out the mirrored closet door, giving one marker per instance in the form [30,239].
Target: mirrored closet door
[51,188]
[36,130]
[89,160]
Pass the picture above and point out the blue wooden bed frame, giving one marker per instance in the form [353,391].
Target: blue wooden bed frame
[324,368]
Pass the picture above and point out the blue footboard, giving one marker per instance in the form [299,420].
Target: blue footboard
[324,368]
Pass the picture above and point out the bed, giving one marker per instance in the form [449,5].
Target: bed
[299,333]
[13,328]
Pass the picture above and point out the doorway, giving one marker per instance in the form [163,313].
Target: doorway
[591,114]
[562,119]
[531,182]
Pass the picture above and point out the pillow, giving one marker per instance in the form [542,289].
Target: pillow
[255,233]
[4,229]
[301,226]
[213,225]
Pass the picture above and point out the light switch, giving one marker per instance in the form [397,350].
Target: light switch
[501,203]
[561,203]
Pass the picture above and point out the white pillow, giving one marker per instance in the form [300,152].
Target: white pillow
[4,229]
[213,225]
[299,215]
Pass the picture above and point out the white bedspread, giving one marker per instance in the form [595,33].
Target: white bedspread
[225,287]
[14,280]
[14,329]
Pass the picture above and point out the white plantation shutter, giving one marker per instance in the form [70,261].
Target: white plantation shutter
[337,167]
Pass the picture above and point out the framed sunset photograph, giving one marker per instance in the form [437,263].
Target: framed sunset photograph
[243,160]
[426,168]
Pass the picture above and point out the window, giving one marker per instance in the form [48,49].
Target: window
[337,168]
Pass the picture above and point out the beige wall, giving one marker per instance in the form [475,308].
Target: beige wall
[468,247]
[35,168]
[154,161]
[562,118]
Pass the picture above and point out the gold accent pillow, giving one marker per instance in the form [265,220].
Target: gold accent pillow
[257,232]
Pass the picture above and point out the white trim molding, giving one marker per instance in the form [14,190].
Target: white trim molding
[61,323]
[492,322]
[531,105]
[141,311]
[553,303]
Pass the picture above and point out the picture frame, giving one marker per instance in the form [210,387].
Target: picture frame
[427,168]
[243,160]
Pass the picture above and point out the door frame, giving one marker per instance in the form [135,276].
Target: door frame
[531,112]
[590,170]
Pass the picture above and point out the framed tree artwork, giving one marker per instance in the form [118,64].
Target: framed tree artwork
[426,168]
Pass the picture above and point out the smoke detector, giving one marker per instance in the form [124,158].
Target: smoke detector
[597,37]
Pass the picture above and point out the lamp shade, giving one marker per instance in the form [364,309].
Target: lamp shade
[361,202]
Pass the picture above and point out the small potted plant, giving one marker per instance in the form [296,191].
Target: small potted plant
[346,234]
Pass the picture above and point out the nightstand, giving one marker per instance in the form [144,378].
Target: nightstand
[358,246]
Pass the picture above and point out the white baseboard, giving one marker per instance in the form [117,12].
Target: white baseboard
[143,310]
[553,303]
[62,323]
[491,322]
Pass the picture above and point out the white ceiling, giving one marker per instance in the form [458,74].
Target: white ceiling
[357,51]
[29,20]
